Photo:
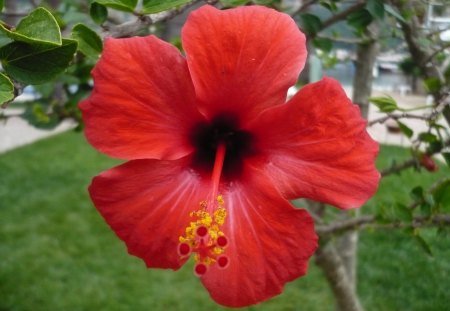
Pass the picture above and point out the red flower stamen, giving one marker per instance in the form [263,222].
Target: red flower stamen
[222,241]
[204,236]
[223,261]
[184,249]
[200,269]
[202,231]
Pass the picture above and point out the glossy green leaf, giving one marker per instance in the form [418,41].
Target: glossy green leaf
[330,6]
[441,193]
[89,42]
[323,44]
[40,26]
[233,3]
[427,137]
[360,19]
[6,89]
[310,23]
[98,12]
[385,103]
[390,10]
[405,129]
[446,156]
[156,6]
[417,194]
[376,8]
[423,244]
[435,146]
[121,5]
[403,213]
[433,84]
[36,64]
[37,114]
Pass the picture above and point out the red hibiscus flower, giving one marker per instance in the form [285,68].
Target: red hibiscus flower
[215,153]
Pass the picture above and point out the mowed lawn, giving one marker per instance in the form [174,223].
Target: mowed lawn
[56,252]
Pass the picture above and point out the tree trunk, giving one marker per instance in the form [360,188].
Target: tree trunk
[336,274]
[366,56]
[11,7]
[362,88]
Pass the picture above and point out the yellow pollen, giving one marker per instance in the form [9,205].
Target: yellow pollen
[202,233]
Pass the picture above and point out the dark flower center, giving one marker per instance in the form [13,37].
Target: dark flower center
[224,128]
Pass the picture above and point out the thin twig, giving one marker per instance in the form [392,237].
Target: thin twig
[304,6]
[343,40]
[343,14]
[371,221]
[427,117]
[130,28]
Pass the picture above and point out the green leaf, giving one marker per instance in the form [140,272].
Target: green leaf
[433,84]
[435,146]
[36,114]
[427,137]
[390,10]
[324,44]
[405,129]
[310,23]
[233,3]
[330,6]
[403,213]
[2,4]
[89,43]
[417,194]
[98,12]
[446,156]
[376,8]
[441,193]
[385,103]
[156,6]
[360,19]
[40,26]
[36,64]
[423,244]
[6,89]
[121,5]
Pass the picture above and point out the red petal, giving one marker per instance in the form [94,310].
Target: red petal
[147,203]
[242,60]
[143,101]
[317,147]
[269,244]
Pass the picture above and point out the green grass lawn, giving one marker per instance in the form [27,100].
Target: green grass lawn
[56,253]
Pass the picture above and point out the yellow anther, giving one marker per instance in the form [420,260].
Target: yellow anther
[220,200]
[205,247]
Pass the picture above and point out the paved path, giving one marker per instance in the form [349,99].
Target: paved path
[16,132]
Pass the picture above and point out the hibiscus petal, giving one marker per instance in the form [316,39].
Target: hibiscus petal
[147,203]
[270,243]
[317,147]
[143,103]
[242,60]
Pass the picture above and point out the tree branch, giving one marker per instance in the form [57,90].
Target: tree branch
[411,162]
[343,40]
[328,259]
[128,29]
[420,53]
[304,6]
[338,227]
[343,14]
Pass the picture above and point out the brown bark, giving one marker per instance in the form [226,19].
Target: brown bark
[366,56]
[329,260]
[422,55]
[362,88]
